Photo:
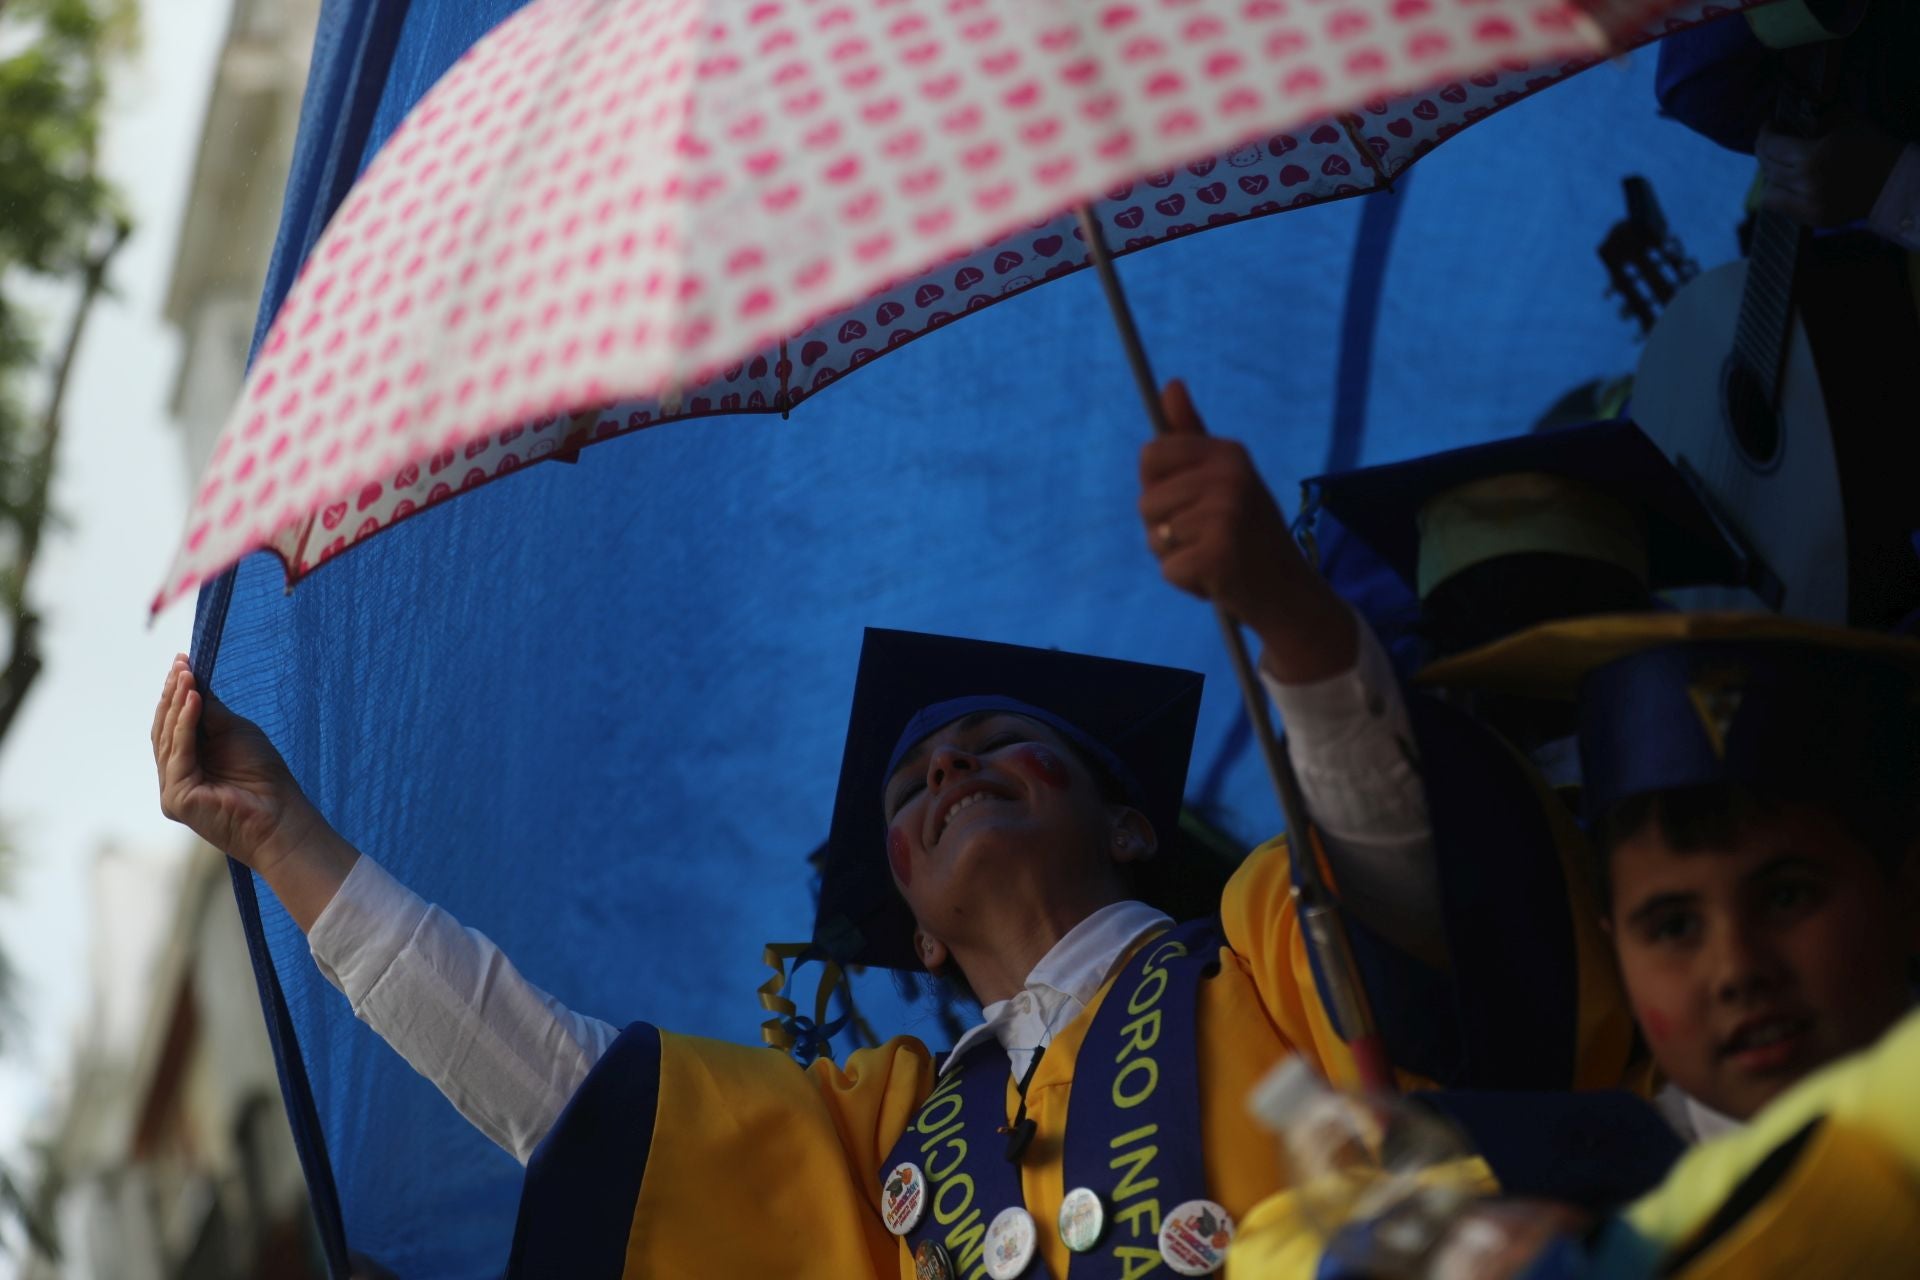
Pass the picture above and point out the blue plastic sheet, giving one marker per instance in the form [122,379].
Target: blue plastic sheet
[595,711]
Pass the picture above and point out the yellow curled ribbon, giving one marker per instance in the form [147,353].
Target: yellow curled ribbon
[789,1030]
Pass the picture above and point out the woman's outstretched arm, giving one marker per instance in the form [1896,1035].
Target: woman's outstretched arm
[506,1054]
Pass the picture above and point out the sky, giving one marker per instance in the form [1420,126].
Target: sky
[76,771]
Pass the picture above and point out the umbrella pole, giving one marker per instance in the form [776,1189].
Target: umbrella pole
[1315,902]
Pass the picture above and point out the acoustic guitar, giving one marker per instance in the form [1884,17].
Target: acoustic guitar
[1794,431]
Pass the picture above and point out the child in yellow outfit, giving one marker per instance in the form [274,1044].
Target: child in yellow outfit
[1750,780]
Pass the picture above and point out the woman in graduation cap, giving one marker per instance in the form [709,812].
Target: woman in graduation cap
[995,805]
[1005,816]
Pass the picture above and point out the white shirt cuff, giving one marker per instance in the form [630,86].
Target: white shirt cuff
[506,1054]
[1351,743]
[1896,214]
[364,929]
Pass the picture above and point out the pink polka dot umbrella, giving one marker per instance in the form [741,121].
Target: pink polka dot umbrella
[614,212]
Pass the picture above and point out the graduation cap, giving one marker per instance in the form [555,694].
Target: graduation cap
[1603,492]
[1135,720]
[1671,700]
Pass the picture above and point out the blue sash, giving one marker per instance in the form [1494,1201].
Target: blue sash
[1134,1134]
[955,1139]
[1138,1068]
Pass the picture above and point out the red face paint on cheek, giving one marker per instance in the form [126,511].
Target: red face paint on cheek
[899,856]
[1041,764]
[1657,1025]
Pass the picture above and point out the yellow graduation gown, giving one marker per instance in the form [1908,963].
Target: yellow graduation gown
[1824,1181]
[683,1156]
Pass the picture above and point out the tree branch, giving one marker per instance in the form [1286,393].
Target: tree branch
[23,660]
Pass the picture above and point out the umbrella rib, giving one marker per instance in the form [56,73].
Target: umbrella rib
[784,368]
[1351,123]
[296,567]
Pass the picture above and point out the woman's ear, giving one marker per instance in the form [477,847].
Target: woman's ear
[933,953]
[1134,839]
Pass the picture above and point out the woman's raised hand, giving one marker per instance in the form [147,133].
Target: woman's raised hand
[1219,534]
[1211,520]
[221,777]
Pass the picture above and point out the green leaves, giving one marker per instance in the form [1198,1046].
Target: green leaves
[52,200]
[61,222]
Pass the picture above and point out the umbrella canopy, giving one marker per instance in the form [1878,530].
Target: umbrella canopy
[613,198]
[605,731]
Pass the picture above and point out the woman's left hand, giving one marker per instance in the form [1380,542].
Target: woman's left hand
[1219,535]
[1211,520]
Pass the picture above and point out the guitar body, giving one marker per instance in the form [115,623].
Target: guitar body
[1784,383]
[1787,505]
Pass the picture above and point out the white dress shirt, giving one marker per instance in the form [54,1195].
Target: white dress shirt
[1067,977]
[505,1053]
[1692,1119]
[509,1056]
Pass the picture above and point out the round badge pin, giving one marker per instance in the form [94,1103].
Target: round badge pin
[931,1261]
[903,1198]
[1082,1218]
[1195,1236]
[1011,1238]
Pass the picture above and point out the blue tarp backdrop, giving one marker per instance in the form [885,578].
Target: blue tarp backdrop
[595,711]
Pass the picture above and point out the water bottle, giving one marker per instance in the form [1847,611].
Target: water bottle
[1375,1177]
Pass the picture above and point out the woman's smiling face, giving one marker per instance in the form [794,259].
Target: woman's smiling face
[992,803]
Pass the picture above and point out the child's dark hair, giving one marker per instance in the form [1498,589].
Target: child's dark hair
[1690,819]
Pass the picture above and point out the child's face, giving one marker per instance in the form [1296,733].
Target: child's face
[1751,965]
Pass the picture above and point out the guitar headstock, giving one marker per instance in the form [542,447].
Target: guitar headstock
[1645,262]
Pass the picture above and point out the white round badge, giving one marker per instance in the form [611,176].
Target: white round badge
[1082,1218]
[1010,1243]
[1195,1236]
[903,1198]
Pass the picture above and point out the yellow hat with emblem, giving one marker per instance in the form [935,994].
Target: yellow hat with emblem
[1671,700]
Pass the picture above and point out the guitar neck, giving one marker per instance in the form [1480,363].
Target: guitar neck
[1811,81]
[1766,306]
